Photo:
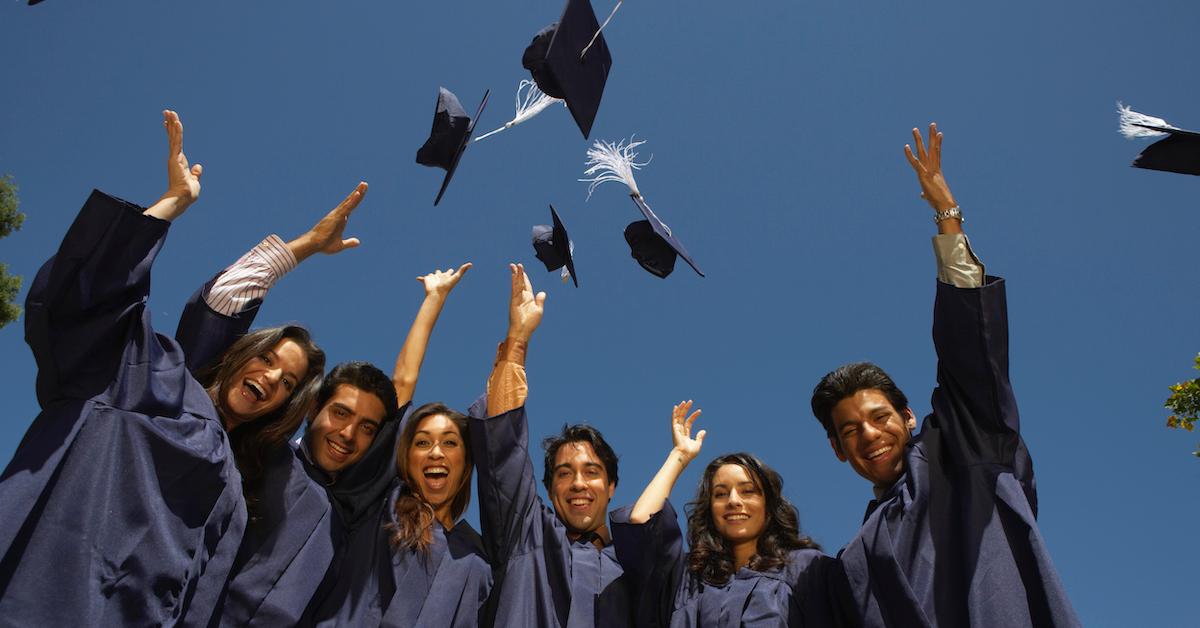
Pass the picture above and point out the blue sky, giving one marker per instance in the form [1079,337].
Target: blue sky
[777,131]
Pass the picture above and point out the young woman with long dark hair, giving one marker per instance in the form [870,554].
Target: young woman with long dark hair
[747,561]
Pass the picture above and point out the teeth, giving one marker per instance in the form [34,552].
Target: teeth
[338,448]
[736,517]
[437,471]
[582,501]
[878,452]
[254,388]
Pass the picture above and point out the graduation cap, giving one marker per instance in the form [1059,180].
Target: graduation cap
[554,248]
[570,60]
[1178,151]
[651,241]
[452,129]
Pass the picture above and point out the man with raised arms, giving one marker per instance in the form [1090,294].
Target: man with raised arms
[951,538]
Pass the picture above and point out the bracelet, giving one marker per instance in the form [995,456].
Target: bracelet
[953,212]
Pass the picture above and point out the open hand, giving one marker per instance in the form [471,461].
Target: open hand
[183,181]
[441,282]
[326,236]
[928,166]
[524,308]
[681,431]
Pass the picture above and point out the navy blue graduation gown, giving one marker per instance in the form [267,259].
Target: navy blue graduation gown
[955,541]
[542,578]
[446,588]
[800,593]
[122,500]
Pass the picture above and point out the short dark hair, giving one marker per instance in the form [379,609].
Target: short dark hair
[582,433]
[710,556]
[845,381]
[363,376]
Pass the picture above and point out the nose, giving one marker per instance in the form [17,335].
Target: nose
[347,431]
[577,482]
[274,375]
[734,502]
[436,452]
[870,432]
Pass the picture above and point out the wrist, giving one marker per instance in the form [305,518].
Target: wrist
[514,349]
[302,247]
[682,457]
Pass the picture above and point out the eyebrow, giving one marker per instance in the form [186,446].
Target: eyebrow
[445,433]
[567,465]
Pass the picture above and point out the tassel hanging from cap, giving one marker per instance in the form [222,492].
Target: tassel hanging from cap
[1133,124]
[601,29]
[613,162]
[528,104]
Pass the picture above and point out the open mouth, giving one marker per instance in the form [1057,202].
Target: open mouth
[579,503]
[256,391]
[879,453]
[339,451]
[736,517]
[437,476]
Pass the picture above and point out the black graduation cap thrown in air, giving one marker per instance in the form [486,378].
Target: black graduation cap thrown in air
[553,247]
[653,245]
[1177,151]
[560,67]
[651,241]
[451,133]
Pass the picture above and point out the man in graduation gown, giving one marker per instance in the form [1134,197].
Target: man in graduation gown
[951,538]
[123,497]
[552,566]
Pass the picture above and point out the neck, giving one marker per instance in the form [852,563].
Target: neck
[602,539]
[444,516]
[743,552]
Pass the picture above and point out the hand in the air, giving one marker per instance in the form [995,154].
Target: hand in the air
[681,431]
[524,309]
[441,282]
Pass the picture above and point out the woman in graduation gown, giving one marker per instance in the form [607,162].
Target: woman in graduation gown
[408,560]
[123,498]
[747,564]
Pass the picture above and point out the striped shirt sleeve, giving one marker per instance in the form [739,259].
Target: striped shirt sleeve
[251,276]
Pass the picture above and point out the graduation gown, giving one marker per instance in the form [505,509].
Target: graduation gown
[800,593]
[271,579]
[122,500]
[542,578]
[955,541]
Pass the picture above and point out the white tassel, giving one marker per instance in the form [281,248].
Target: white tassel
[598,30]
[613,162]
[1130,121]
[528,105]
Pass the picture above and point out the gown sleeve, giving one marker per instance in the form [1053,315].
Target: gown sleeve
[508,504]
[86,302]
[651,553]
[973,404]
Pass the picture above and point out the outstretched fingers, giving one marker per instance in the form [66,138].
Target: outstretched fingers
[351,202]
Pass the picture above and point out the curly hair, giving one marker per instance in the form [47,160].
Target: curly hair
[711,556]
[252,442]
[414,515]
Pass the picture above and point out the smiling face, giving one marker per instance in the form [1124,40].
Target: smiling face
[436,463]
[870,434]
[739,508]
[580,489]
[345,427]
[264,382]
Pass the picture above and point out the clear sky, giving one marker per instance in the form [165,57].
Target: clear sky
[777,130]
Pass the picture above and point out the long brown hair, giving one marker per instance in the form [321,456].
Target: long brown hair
[414,515]
[711,557]
[253,441]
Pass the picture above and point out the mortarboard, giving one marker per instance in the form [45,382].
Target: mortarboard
[452,129]
[570,60]
[554,248]
[651,241]
[1178,151]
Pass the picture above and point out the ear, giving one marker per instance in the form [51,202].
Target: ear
[910,419]
[612,489]
[837,448]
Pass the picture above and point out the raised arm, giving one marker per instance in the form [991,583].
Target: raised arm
[957,263]
[684,450]
[88,301]
[438,285]
[223,309]
[507,386]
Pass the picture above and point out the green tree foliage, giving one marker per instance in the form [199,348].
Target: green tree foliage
[1184,403]
[10,221]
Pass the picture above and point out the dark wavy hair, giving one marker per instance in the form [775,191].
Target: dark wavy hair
[414,515]
[845,381]
[581,433]
[253,441]
[711,557]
